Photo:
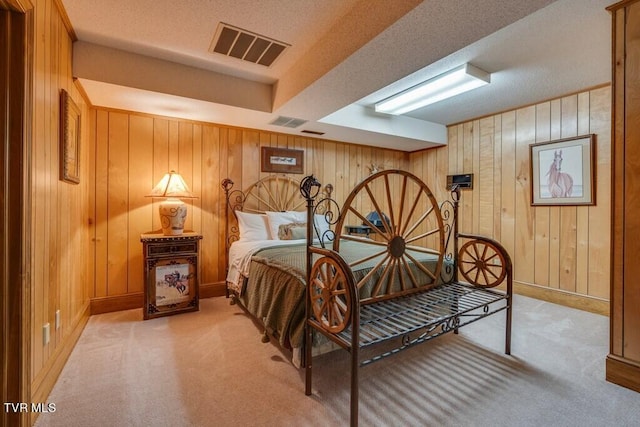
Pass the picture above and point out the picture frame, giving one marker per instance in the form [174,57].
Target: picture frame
[563,171]
[69,139]
[171,286]
[283,160]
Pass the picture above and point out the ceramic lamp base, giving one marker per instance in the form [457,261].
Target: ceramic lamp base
[173,213]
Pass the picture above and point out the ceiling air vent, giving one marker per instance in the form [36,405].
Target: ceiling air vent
[312,132]
[242,44]
[288,122]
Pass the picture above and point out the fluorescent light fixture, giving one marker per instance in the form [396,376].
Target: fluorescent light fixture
[453,82]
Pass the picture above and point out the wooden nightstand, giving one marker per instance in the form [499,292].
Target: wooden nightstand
[171,273]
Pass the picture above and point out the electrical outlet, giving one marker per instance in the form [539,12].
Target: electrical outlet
[45,334]
[57,319]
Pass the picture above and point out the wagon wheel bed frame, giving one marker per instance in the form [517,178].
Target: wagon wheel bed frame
[411,312]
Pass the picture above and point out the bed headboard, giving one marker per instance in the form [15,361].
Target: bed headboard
[276,193]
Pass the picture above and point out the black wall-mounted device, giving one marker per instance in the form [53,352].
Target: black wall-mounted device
[463,181]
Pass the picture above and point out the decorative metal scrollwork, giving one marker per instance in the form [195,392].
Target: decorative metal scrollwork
[450,324]
[406,340]
[325,208]
[447,211]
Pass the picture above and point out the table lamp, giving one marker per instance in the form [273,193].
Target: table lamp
[173,211]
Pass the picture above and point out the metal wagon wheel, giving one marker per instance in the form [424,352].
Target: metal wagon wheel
[330,301]
[482,263]
[411,232]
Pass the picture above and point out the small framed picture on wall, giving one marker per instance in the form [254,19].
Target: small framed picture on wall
[562,171]
[282,160]
[69,139]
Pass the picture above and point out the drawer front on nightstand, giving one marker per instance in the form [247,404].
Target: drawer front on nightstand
[172,249]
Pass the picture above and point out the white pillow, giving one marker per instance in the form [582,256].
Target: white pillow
[300,216]
[322,225]
[276,219]
[253,226]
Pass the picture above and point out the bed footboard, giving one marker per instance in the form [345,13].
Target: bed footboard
[404,290]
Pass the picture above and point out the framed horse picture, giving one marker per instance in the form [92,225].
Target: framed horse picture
[562,171]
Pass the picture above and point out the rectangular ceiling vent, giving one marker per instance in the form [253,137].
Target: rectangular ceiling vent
[312,132]
[288,122]
[242,44]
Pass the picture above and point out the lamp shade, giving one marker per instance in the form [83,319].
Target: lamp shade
[173,212]
[172,185]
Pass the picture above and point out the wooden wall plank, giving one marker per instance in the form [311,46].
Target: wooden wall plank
[174,145]
[524,213]
[210,197]
[508,218]
[118,205]
[195,184]
[497,178]
[554,212]
[542,241]
[160,151]
[484,177]
[101,206]
[140,212]
[475,215]
[452,144]
[185,165]
[582,212]
[466,202]
[599,264]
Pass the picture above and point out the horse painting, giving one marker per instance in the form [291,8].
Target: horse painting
[560,183]
[174,280]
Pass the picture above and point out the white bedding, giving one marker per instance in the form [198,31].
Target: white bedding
[240,255]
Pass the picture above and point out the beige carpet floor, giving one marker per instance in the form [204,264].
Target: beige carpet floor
[209,368]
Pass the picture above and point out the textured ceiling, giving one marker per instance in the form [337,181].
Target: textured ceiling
[345,55]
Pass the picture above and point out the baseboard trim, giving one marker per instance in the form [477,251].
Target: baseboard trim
[211,290]
[116,303]
[567,299]
[623,372]
[43,383]
[218,289]
[135,300]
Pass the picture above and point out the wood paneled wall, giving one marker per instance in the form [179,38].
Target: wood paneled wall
[623,361]
[61,250]
[566,249]
[563,248]
[133,151]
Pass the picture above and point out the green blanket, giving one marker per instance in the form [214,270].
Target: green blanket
[277,276]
